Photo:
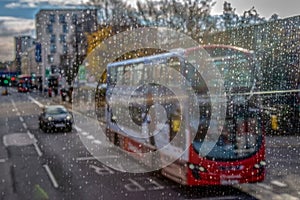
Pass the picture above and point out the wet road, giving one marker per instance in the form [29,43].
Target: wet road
[38,165]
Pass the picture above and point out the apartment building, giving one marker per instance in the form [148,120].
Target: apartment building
[61,34]
[22,43]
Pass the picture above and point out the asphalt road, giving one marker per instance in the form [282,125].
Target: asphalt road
[38,165]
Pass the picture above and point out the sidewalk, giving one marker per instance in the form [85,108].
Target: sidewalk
[57,100]
[7,187]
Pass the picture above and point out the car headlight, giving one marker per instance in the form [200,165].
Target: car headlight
[49,118]
[69,117]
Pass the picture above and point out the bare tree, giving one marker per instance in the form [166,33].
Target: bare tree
[191,17]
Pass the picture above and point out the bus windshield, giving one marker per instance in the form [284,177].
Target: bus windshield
[237,67]
[241,136]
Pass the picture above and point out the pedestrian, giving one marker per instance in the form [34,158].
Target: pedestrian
[50,92]
[70,92]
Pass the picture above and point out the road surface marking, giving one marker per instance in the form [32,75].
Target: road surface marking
[78,129]
[96,157]
[265,186]
[90,137]
[37,149]
[30,135]
[97,142]
[14,104]
[84,133]
[3,160]
[103,170]
[278,183]
[51,176]
[35,101]
[17,139]
[24,125]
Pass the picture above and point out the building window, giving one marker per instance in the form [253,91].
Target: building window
[52,18]
[53,38]
[74,18]
[62,38]
[54,69]
[62,18]
[49,28]
[53,48]
[65,28]
[50,59]
[65,48]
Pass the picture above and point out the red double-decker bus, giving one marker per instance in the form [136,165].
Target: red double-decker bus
[145,90]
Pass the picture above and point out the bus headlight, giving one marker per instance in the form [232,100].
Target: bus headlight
[191,166]
[202,169]
[197,168]
[256,166]
[260,165]
[263,163]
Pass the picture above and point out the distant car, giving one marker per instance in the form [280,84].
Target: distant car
[54,118]
[23,88]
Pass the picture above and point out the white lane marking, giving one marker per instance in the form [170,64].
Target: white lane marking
[278,183]
[35,101]
[51,176]
[3,160]
[90,137]
[265,186]
[78,129]
[97,142]
[103,170]
[37,149]
[96,157]
[84,133]
[14,104]
[24,125]
[30,135]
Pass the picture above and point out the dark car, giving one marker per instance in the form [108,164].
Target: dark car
[55,117]
[23,87]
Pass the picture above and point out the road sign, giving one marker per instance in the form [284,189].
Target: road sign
[47,73]
[81,73]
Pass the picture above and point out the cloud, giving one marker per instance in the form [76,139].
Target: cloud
[21,5]
[7,48]
[39,3]
[12,26]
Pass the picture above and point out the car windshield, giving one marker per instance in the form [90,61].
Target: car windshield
[56,110]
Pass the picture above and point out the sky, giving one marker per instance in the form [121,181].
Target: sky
[17,17]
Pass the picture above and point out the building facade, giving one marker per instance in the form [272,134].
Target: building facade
[61,34]
[22,43]
[29,65]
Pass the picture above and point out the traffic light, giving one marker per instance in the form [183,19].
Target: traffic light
[5,81]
